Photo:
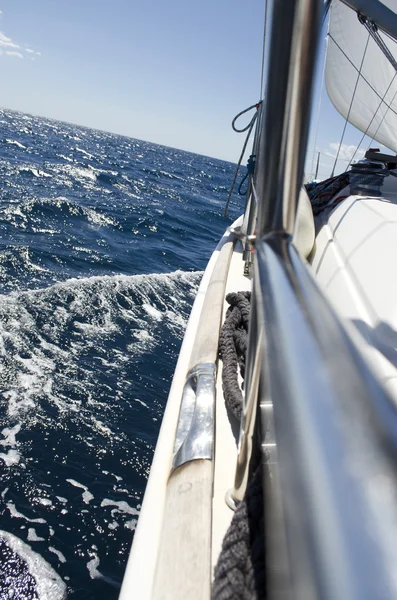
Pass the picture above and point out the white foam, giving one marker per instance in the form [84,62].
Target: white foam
[152,311]
[49,585]
[33,537]
[15,513]
[58,553]
[62,499]
[131,524]
[87,497]
[97,306]
[84,152]
[9,435]
[11,458]
[121,507]
[76,484]
[141,402]
[15,143]
[65,157]
[45,501]
[92,567]
[101,427]
[36,172]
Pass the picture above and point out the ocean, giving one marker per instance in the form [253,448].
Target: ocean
[103,241]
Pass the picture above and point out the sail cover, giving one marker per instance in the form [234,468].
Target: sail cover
[371,83]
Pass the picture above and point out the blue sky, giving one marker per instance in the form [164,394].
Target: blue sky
[173,72]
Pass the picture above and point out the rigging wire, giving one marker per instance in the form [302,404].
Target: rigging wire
[251,124]
[371,121]
[362,76]
[263,53]
[318,113]
[327,4]
[249,127]
[350,107]
[384,116]
[374,33]
[372,29]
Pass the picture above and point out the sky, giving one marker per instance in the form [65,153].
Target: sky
[173,72]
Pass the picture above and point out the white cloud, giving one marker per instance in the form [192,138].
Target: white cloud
[7,42]
[30,51]
[12,49]
[16,54]
[346,152]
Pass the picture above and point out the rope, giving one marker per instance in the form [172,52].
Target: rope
[249,127]
[243,113]
[250,171]
[232,348]
[240,573]
[350,107]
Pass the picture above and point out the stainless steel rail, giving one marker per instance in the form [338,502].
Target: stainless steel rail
[282,141]
[333,456]
[282,149]
[328,430]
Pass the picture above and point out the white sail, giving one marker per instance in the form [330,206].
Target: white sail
[374,106]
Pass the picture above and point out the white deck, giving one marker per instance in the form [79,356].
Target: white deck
[355,263]
[141,567]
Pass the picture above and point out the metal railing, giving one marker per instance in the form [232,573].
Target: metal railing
[327,427]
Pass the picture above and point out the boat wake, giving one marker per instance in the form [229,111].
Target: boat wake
[77,371]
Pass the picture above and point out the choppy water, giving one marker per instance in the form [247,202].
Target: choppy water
[103,240]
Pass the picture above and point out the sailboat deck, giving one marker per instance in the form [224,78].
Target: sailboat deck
[226,425]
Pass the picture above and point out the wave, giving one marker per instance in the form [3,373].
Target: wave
[90,156]
[25,573]
[32,172]
[33,211]
[72,344]
[107,177]
[159,174]
[15,143]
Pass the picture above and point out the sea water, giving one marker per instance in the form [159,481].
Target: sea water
[103,240]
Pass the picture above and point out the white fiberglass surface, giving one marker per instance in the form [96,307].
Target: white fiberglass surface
[355,263]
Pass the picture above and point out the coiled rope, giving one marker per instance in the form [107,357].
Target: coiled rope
[232,348]
[240,573]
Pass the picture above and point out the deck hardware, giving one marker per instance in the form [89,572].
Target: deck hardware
[194,437]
